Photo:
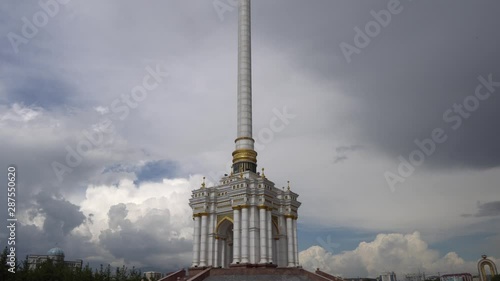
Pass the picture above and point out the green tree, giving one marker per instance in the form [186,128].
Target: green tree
[4,273]
[86,274]
[56,271]
[22,272]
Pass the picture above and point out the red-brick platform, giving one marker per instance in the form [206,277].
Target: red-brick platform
[249,273]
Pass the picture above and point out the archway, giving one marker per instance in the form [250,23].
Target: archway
[224,253]
[486,268]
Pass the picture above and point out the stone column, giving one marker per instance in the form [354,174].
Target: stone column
[236,236]
[295,243]
[276,252]
[253,238]
[211,240]
[269,236]
[203,240]
[223,259]
[196,241]
[282,254]
[244,234]
[289,238]
[277,249]
[263,234]
[215,262]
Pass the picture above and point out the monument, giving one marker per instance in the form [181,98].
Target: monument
[245,219]
[481,268]
[245,228]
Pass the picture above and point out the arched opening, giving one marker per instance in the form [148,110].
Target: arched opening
[487,269]
[224,254]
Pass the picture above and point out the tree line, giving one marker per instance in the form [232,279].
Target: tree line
[54,271]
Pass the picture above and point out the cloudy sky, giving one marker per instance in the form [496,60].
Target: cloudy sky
[113,111]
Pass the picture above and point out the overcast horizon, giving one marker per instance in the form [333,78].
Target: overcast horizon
[381,114]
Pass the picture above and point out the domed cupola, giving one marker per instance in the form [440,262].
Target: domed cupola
[56,252]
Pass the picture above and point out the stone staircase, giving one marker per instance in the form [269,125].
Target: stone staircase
[249,274]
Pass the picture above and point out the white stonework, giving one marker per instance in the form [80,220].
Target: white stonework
[245,219]
[254,222]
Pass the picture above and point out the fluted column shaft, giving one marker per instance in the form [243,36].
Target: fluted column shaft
[215,262]
[244,235]
[223,259]
[236,236]
[253,239]
[295,243]
[211,239]
[203,240]
[196,241]
[263,235]
[289,238]
[269,236]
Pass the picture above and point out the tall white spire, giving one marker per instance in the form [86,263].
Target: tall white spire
[244,157]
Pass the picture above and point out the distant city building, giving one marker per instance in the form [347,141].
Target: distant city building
[388,276]
[360,279]
[415,277]
[457,277]
[151,275]
[482,265]
[56,255]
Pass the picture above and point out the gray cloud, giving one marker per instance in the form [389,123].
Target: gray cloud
[420,65]
[141,242]
[490,209]
[157,170]
[61,216]
[342,152]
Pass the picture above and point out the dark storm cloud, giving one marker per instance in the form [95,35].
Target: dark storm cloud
[341,152]
[157,171]
[426,60]
[490,209]
[33,240]
[61,216]
[118,168]
[151,171]
[433,64]
[44,92]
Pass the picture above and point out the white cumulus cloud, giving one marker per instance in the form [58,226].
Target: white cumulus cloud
[396,252]
[147,224]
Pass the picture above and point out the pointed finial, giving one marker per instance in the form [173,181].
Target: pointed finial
[288,185]
[203,184]
[263,175]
